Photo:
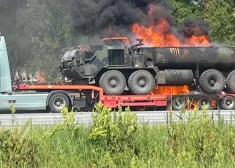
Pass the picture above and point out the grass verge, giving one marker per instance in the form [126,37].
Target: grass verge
[116,140]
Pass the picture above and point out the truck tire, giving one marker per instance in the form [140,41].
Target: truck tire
[178,103]
[113,82]
[230,81]
[57,102]
[141,82]
[228,103]
[204,101]
[212,81]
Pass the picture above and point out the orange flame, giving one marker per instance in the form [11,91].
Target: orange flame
[124,39]
[158,34]
[152,36]
[198,40]
[40,76]
[171,90]
[116,36]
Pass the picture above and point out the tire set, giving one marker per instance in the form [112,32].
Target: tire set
[180,103]
[140,82]
[213,81]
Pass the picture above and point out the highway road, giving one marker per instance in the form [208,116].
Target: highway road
[84,118]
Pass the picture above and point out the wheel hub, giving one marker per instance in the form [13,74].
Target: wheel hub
[204,102]
[212,82]
[142,82]
[59,103]
[229,103]
[113,83]
[178,103]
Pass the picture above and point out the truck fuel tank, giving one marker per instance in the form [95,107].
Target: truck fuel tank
[176,77]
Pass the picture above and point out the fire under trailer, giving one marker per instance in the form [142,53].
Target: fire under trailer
[52,97]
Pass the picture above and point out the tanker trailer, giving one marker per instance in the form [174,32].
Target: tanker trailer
[212,67]
[116,67]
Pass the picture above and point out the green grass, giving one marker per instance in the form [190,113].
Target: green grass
[120,142]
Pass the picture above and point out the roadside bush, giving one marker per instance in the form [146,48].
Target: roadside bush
[18,148]
[112,133]
[200,141]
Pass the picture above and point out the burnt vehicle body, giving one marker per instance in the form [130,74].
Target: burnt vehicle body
[116,66]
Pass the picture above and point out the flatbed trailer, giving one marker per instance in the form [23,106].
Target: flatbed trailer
[84,97]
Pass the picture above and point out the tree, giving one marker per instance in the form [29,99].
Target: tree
[17,41]
[187,8]
[49,28]
[221,15]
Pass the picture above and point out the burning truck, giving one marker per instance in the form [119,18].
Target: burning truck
[116,66]
[164,56]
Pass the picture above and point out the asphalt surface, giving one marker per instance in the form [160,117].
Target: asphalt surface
[84,118]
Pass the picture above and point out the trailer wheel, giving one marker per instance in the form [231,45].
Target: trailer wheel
[204,101]
[178,103]
[230,81]
[57,102]
[113,82]
[228,103]
[212,81]
[141,82]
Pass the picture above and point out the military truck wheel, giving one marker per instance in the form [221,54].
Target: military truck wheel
[228,103]
[178,103]
[230,81]
[57,102]
[113,82]
[141,82]
[212,81]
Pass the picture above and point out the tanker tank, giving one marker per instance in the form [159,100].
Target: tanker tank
[187,57]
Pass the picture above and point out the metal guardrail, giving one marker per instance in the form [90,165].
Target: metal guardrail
[84,118]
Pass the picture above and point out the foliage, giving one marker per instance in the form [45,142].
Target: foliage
[115,132]
[114,139]
[49,26]
[187,9]
[200,142]
[66,125]
[18,41]
[36,33]
[17,147]
[222,21]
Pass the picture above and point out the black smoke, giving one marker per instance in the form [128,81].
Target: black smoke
[195,27]
[104,18]
[99,17]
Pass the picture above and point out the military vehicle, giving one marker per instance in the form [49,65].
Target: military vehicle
[116,66]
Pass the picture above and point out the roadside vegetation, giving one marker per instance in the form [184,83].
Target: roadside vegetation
[116,139]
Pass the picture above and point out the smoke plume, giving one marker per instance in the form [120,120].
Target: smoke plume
[106,18]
